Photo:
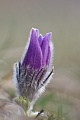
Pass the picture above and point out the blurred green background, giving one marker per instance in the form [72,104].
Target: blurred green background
[62,18]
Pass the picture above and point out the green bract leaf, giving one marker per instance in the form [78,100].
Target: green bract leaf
[23,102]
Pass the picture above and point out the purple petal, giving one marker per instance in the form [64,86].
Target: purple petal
[45,49]
[48,56]
[40,39]
[33,56]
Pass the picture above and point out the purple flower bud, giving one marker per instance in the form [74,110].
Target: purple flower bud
[34,71]
[38,54]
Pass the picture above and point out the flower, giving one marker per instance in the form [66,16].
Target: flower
[38,53]
[34,71]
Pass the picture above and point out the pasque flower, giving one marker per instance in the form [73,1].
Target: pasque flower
[34,71]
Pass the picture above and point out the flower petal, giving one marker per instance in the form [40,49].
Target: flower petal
[40,39]
[45,48]
[33,56]
[48,56]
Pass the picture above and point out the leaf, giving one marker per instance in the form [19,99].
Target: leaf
[23,102]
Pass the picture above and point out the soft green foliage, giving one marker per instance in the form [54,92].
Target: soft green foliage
[57,114]
[45,100]
[56,107]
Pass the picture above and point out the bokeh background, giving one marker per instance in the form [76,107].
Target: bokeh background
[62,18]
